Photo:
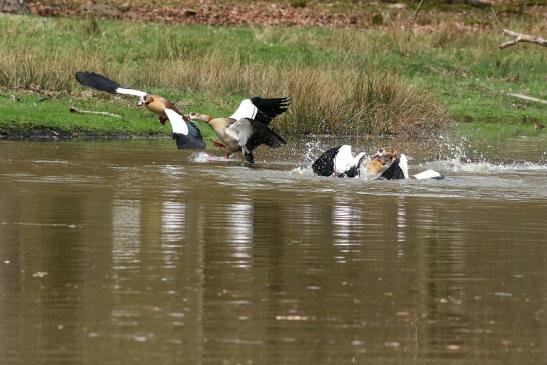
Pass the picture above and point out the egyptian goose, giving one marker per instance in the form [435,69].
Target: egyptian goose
[186,134]
[247,128]
[155,103]
[398,170]
[339,161]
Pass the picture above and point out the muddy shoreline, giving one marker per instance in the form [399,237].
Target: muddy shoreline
[51,134]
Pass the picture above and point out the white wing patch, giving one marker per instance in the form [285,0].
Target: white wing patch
[357,158]
[241,130]
[177,123]
[343,159]
[123,91]
[427,174]
[403,165]
[246,109]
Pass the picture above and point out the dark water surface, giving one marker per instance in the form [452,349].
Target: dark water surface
[136,253]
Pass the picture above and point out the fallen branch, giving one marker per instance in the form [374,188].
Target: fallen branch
[80,111]
[528,98]
[519,37]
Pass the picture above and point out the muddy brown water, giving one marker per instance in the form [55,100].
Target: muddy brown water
[136,253]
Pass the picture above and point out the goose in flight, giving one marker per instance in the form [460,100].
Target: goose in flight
[185,133]
[340,162]
[247,128]
[398,170]
[155,103]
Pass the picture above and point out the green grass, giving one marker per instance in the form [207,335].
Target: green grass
[27,114]
[342,81]
[54,113]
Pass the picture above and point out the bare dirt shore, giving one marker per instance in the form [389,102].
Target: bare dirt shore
[350,14]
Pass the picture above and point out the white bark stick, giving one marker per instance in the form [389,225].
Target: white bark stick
[76,110]
[528,98]
[519,37]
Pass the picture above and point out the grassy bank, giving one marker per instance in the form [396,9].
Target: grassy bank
[382,81]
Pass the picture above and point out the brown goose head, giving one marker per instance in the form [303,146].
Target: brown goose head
[198,116]
[145,100]
[385,155]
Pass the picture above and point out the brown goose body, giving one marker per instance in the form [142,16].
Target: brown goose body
[219,125]
[374,166]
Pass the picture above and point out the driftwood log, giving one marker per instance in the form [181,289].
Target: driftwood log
[519,37]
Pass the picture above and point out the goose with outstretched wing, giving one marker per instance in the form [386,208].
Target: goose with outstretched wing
[185,132]
[340,162]
[398,170]
[248,127]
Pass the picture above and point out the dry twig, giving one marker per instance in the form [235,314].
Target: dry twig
[495,15]
[76,110]
[412,19]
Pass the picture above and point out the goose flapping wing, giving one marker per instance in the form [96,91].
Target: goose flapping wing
[178,124]
[324,164]
[102,83]
[250,134]
[241,131]
[261,109]
[343,159]
[345,164]
[398,170]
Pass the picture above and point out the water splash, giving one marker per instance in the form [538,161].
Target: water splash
[312,150]
[485,167]
[462,155]
[302,170]
[204,157]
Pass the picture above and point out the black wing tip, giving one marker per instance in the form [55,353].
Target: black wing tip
[83,76]
[249,157]
[273,140]
[285,99]
[269,108]
[276,137]
[85,73]
[96,81]
[276,140]
[393,172]
[279,105]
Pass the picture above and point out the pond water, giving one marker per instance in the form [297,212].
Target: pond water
[136,253]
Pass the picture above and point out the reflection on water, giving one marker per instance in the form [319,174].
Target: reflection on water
[132,253]
[125,234]
[172,231]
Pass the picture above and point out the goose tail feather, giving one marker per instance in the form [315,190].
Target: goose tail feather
[187,142]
